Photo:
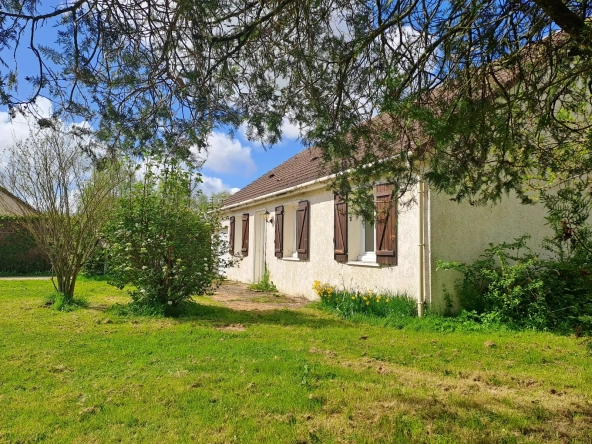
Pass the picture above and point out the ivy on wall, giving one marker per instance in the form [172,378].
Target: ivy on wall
[18,252]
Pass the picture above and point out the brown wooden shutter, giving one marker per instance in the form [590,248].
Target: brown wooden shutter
[386,225]
[231,236]
[279,231]
[245,239]
[302,229]
[340,229]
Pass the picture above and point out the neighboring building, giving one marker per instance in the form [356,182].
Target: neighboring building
[10,205]
[18,253]
[312,236]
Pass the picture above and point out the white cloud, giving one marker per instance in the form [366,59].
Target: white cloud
[211,185]
[226,155]
[289,130]
[18,127]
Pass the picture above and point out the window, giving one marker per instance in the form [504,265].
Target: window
[291,230]
[386,225]
[302,228]
[339,229]
[367,237]
[279,232]
[231,235]
[370,242]
[245,235]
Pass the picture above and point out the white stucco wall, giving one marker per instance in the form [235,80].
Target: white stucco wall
[460,232]
[297,277]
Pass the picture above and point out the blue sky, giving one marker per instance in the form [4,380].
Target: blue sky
[237,162]
[231,163]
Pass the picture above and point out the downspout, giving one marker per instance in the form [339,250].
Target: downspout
[421,255]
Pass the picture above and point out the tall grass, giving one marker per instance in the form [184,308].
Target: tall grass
[349,303]
[398,311]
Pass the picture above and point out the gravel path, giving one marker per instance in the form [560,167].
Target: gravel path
[24,278]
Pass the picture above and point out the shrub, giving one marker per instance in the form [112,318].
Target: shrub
[98,264]
[161,243]
[351,302]
[516,287]
[525,290]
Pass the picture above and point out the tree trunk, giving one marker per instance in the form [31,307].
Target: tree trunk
[567,20]
[66,284]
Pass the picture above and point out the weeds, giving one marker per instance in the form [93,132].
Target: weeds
[265,284]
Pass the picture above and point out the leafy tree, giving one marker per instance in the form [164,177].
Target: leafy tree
[482,97]
[65,201]
[160,242]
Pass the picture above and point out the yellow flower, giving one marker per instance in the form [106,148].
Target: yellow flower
[368,303]
[353,298]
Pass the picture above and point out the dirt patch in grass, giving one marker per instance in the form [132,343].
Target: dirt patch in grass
[237,296]
[232,327]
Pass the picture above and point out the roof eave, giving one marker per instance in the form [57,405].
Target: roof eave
[312,184]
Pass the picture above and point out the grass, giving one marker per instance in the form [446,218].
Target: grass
[219,375]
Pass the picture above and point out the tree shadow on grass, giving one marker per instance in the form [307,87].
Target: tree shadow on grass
[221,316]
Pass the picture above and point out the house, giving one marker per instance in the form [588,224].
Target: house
[289,221]
[18,252]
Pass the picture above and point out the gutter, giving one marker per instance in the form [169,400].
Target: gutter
[421,275]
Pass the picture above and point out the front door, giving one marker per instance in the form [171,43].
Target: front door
[260,236]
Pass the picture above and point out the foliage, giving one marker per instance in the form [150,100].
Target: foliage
[351,302]
[63,199]
[98,263]
[18,252]
[160,243]
[513,286]
[483,97]
[265,284]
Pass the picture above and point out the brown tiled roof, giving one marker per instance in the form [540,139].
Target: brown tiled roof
[301,168]
[10,205]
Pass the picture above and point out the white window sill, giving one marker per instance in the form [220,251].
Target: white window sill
[288,258]
[363,264]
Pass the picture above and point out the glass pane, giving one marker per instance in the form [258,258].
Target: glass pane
[368,237]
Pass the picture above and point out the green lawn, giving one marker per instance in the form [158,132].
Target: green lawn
[301,376]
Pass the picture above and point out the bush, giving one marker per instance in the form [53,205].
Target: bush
[516,287]
[349,303]
[98,264]
[161,243]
